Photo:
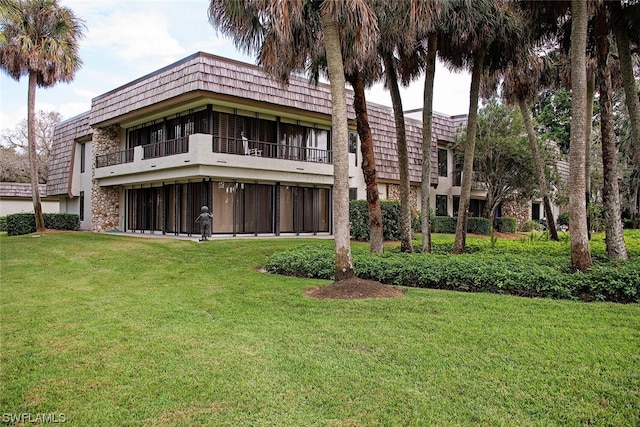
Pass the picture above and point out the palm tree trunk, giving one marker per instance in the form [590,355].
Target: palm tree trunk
[403,154]
[427,130]
[614,237]
[539,165]
[580,251]
[591,94]
[376,236]
[631,95]
[340,140]
[469,150]
[33,153]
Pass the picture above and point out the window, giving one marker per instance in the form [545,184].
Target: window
[535,211]
[457,170]
[82,203]
[83,156]
[443,162]
[353,144]
[353,193]
[442,205]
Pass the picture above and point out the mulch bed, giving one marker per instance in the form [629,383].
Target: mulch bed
[355,288]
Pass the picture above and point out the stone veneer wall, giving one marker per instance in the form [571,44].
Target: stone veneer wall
[520,211]
[393,193]
[105,201]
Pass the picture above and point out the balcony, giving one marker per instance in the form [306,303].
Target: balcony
[202,156]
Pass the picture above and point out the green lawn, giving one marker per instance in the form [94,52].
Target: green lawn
[112,330]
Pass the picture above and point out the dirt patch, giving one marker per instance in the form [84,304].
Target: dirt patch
[355,288]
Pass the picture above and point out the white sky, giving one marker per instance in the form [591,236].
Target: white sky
[126,39]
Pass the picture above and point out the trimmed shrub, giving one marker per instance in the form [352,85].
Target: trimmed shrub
[25,223]
[390,219]
[359,219]
[3,223]
[443,224]
[531,226]
[563,218]
[508,273]
[506,224]
[479,225]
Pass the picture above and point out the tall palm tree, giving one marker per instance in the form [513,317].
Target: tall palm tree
[428,17]
[427,136]
[477,35]
[39,39]
[520,86]
[376,235]
[626,21]
[398,49]
[580,250]
[614,238]
[289,36]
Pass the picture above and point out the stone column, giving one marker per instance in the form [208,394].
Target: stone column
[105,201]
[521,211]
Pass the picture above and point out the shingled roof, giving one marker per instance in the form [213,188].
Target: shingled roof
[206,73]
[17,190]
[210,73]
[64,137]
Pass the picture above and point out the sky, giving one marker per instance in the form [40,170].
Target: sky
[127,39]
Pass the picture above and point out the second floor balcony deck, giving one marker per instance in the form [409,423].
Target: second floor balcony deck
[205,155]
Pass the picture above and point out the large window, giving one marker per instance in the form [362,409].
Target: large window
[175,127]
[81,206]
[83,157]
[457,169]
[443,163]
[442,205]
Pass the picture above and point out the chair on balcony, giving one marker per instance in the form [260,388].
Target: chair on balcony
[249,151]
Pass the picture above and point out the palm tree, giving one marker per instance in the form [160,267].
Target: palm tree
[427,135]
[580,250]
[376,236]
[477,35]
[40,40]
[616,248]
[290,36]
[398,49]
[429,17]
[520,84]
[624,25]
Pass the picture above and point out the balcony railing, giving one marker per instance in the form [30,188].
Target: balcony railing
[270,150]
[238,146]
[166,148]
[115,158]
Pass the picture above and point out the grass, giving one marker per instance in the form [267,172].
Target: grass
[111,330]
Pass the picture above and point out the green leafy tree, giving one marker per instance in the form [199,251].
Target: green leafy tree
[478,36]
[17,141]
[40,40]
[503,162]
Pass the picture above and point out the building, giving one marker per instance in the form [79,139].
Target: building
[209,131]
[16,197]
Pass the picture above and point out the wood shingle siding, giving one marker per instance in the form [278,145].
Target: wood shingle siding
[64,137]
[205,72]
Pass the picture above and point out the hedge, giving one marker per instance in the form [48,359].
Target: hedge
[359,219]
[505,274]
[25,223]
[506,224]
